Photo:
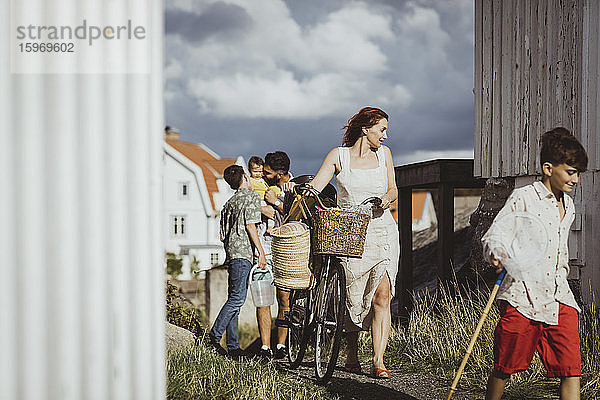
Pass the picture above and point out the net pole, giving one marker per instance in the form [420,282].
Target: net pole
[482,319]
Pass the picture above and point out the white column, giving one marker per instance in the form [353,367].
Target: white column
[81,276]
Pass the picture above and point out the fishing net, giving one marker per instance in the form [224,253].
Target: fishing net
[519,241]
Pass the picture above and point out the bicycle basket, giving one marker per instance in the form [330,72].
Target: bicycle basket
[291,253]
[340,232]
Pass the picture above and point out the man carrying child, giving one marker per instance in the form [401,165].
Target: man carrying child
[276,173]
[269,185]
[239,217]
[542,315]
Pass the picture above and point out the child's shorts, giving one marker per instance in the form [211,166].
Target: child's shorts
[517,337]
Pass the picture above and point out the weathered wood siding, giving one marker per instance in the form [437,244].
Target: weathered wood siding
[536,67]
[587,229]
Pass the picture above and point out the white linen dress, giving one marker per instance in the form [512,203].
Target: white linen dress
[382,247]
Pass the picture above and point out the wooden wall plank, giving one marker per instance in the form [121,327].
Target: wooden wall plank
[585,73]
[487,76]
[557,116]
[572,74]
[594,232]
[478,89]
[496,136]
[534,54]
[590,273]
[518,49]
[595,115]
[590,87]
[506,91]
[544,77]
[525,70]
[549,82]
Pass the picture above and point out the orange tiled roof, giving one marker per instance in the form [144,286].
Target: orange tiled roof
[212,167]
[418,206]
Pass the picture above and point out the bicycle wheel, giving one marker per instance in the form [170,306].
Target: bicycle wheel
[330,321]
[298,319]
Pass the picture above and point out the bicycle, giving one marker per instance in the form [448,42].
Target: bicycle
[319,311]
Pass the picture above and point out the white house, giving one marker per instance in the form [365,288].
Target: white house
[194,192]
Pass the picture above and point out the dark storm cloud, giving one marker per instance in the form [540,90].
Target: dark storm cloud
[438,119]
[217,19]
[306,142]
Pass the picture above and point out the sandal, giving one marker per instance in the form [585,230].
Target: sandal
[353,368]
[381,373]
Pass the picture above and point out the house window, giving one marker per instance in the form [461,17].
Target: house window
[214,258]
[184,190]
[178,225]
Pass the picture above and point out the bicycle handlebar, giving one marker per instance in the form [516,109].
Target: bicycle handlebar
[375,200]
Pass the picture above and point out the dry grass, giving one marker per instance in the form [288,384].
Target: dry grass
[439,332]
[199,373]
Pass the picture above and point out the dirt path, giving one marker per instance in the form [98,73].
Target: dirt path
[350,386]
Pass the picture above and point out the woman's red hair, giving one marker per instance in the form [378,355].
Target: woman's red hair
[365,118]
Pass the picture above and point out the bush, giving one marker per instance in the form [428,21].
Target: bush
[182,313]
[174,265]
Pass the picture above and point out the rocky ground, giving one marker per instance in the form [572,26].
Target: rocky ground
[403,386]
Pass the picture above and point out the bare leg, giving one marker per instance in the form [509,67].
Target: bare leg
[570,388]
[382,320]
[495,386]
[283,301]
[263,317]
[352,351]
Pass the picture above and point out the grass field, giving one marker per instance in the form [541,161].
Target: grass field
[435,342]
[198,373]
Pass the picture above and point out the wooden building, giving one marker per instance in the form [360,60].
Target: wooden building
[537,64]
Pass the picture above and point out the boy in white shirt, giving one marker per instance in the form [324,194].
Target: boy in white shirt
[542,315]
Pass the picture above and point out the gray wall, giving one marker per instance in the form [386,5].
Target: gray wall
[536,67]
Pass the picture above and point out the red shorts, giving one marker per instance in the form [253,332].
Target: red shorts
[517,337]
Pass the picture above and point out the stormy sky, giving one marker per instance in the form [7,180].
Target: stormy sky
[246,77]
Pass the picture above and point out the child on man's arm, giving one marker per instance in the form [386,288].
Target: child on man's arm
[542,315]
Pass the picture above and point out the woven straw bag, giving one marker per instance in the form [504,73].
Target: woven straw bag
[340,232]
[291,254]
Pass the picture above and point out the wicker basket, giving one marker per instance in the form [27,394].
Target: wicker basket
[340,232]
[291,253]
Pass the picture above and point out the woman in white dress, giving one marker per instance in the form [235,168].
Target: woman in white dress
[363,167]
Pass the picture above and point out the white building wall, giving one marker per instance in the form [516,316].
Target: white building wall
[202,222]
[193,207]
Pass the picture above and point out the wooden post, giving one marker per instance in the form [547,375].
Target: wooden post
[445,229]
[405,290]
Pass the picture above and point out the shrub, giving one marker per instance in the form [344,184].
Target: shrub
[182,313]
[174,265]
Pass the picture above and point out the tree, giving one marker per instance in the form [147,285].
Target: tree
[174,266]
